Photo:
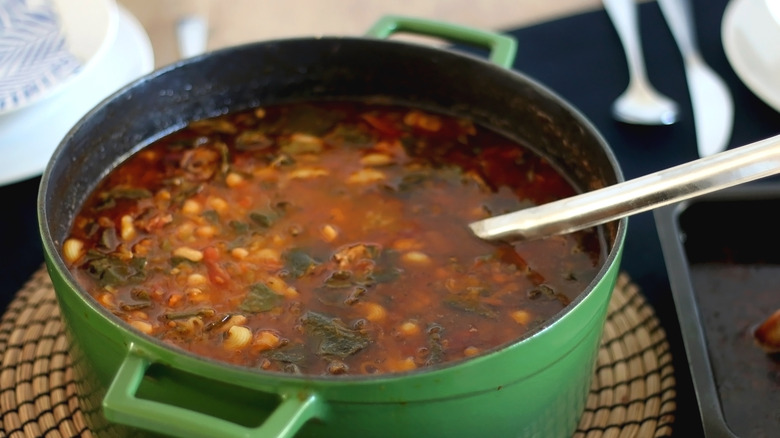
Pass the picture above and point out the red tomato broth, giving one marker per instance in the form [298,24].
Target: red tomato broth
[327,238]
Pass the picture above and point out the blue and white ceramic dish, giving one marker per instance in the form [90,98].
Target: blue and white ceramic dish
[25,147]
[44,44]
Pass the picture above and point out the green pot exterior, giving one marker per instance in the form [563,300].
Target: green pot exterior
[130,384]
[536,387]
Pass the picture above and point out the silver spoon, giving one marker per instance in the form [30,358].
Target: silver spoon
[714,172]
[640,103]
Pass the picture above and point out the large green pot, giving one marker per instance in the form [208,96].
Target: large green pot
[133,384]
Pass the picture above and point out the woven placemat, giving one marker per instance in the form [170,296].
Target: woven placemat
[632,395]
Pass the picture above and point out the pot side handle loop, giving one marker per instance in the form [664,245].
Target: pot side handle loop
[120,405]
[503,48]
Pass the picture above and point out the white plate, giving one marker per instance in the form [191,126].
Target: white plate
[46,44]
[29,136]
[751,40]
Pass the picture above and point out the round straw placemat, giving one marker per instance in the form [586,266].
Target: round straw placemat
[632,395]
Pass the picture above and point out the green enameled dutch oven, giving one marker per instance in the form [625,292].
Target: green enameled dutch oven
[130,383]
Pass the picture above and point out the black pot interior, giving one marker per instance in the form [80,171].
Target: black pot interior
[306,69]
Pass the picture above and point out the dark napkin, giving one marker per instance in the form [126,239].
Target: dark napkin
[581,59]
[20,248]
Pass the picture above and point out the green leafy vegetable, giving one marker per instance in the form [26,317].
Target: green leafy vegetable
[470,301]
[183,189]
[354,295]
[335,338]
[140,295]
[385,270]
[211,216]
[312,120]
[219,322]
[294,354]
[110,270]
[435,345]
[176,261]
[224,155]
[541,291]
[108,198]
[413,180]
[239,227]
[340,296]
[131,307]
[354,136]
[339,279]
[190,313]
[297,144]
[547,293]
[298,263]
[264,220]
[109,239]
[253,140]
[260,298]
[214,125]
[124,192]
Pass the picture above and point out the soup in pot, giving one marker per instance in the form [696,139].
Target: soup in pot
[327,238]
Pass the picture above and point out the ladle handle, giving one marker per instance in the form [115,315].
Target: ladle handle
[715,172]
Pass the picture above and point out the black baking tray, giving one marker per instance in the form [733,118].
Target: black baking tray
[722,253]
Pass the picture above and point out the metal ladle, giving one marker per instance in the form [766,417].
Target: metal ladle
[715,172]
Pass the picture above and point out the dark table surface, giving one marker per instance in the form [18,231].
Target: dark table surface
[580,58]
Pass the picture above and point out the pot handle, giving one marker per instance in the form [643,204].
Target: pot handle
[120,405]
[503,48]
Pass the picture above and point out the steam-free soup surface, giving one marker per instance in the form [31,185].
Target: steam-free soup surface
[327,238]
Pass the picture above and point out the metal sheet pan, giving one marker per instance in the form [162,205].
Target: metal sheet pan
[722,253]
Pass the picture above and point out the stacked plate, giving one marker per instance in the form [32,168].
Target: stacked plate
[58,59]
[751,40]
